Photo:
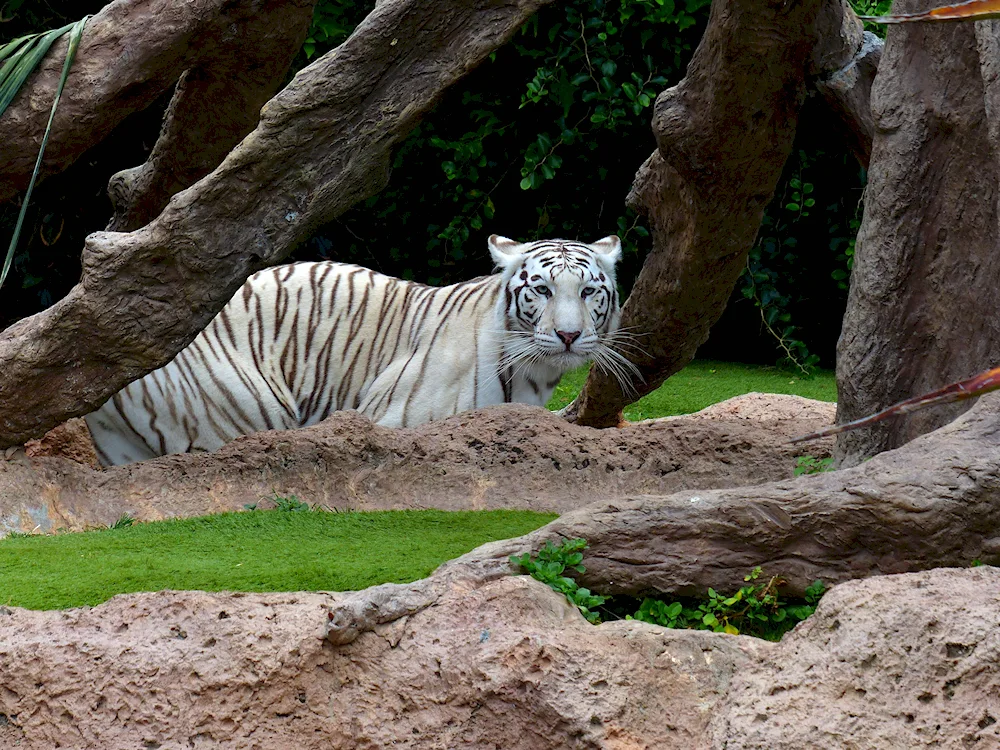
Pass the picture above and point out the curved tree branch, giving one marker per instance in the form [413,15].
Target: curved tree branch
[130,53]
[323,144]
[723,135]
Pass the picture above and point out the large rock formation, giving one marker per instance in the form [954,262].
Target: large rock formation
[503,457]
[891,662]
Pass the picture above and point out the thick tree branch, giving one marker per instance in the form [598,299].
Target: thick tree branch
[213,107]
[933,503]
[723,134]
[322,144]
[920,313]
[847,93]
[131,52]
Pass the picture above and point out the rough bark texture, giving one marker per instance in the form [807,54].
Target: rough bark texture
[847,94]
[891,662]
[933,503]
[502,457]
[920,312]
[213,107]
[322,144]
[723,135]
[131,52]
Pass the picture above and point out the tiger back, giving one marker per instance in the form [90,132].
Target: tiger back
[300,341]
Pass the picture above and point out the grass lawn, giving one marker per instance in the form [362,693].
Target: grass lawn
[252,551]
[284,550]
[705,382]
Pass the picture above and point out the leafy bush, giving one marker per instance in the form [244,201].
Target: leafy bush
[548,566]
[756,609]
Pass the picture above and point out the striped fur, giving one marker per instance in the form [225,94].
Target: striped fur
[301,341]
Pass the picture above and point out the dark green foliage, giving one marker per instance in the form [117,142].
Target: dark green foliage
[543,140]
[875,8]
[549,564]
[756,609]
[797,270]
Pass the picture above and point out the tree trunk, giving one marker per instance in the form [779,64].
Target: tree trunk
[926,276]
[723,135]
[134,50]
[323,144]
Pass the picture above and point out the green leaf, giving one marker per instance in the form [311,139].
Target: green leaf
[21,60]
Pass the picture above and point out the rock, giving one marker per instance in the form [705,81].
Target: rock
[900,661]
[890,662]
[512,456]
[506,664]
[70,440]
[935,502]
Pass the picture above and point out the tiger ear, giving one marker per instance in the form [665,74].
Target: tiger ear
[505,252]
[610,247]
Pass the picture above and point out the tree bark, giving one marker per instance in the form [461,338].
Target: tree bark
[933,503]
[924,286]
[322,144]
[131,52]
[723,135]
[847,94]
[213,107]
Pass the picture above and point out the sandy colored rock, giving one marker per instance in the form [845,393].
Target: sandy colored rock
[70,440]
[511,456]
[507,664]
[891,662]
[902,661]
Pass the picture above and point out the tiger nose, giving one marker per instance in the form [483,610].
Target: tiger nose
[568,337]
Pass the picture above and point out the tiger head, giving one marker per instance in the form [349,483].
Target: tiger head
[561,301]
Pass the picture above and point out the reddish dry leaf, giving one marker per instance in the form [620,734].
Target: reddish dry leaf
[976,10]
[977,385]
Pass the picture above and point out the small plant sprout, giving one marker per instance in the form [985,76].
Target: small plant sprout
[548,566]
[812,465]
[290,504]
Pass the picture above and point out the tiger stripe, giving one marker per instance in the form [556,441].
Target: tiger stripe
[301,341]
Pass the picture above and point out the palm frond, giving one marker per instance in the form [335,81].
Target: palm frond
[20,58]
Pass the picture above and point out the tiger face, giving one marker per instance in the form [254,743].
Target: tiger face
[561,300]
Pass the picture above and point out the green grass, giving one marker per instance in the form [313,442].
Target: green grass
[251,551]
[315,551]
[705,382]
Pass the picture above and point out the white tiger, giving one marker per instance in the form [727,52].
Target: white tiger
[300,341]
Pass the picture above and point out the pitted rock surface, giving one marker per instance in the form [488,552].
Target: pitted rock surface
[890,662]
[512,456]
